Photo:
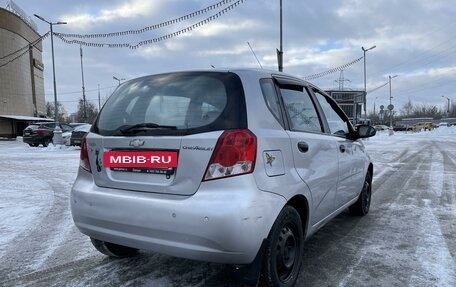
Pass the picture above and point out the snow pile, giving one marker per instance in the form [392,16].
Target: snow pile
[52,147]
[445,131]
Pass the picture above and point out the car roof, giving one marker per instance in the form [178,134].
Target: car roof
[248,72]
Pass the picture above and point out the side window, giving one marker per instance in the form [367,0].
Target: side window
[301,110]
[270,96]
[337,125]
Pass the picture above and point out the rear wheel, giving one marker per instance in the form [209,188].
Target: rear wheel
[362,206]
[46,142]
[283,255]
[113,250]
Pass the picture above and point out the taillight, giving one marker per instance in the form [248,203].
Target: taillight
[84,162]
[234,154]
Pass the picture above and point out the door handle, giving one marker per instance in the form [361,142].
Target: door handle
[303,147]
[342,148]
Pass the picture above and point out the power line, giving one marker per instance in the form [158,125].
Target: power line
[25,47]
[152,27]
[331,71]
[153,40]
[34,43]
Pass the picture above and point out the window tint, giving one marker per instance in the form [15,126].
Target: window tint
[66,128]
[337,125]
[270,96]
[204,101]
[301,110]
[48,126]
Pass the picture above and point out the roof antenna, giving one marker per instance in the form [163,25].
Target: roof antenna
[213,67]
[253,52]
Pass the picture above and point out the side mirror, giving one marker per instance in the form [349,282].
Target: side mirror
[365,131]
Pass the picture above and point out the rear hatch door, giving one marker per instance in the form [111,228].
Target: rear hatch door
[180,115]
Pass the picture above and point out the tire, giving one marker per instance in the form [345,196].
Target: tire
[283,254]
[33,144]
[113,250]
[362,205]
[46,142]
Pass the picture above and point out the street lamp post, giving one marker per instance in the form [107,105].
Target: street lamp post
[83,88]
[374,104]
[117,79]
[57,138]
[365,91]
[448,107]
[391,107]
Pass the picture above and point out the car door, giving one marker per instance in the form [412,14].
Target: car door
[351,153]
[315,157]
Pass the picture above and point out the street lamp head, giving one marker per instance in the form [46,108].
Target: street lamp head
[41,18]
[50,23]
[365,50]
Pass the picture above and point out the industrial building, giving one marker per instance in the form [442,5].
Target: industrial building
[22,97]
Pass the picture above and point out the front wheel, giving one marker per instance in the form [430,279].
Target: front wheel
[113,250]
[362,205]
[283,255]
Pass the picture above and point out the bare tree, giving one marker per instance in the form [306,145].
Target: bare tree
[86,114]
[50,107]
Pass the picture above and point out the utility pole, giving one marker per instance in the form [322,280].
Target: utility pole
[99,102]
[280,52]
[83,88]
[448,107]
[391,107]
[365,90]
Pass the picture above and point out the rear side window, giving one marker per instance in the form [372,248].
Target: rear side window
[177,103]
[270,96]
[48,126]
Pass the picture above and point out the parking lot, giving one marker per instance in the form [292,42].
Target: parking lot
[407,239]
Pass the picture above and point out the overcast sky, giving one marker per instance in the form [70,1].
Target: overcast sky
[415,40]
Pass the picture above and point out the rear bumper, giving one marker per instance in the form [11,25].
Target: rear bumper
[224,221]
[32,139]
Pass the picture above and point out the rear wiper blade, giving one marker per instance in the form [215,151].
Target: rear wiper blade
[145,127]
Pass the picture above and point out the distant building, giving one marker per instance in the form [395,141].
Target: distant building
[22,97]
[351,102]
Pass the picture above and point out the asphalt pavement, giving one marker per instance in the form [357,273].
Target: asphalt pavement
[407,239]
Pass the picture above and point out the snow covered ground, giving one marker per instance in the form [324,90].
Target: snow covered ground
[408,239]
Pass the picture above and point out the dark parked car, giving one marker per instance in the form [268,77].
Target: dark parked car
[78,133]
[42,133]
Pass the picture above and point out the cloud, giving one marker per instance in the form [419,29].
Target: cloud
[129,9]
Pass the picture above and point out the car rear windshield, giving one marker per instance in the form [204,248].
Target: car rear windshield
[175,104]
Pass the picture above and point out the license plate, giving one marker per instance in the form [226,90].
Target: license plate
[143,159]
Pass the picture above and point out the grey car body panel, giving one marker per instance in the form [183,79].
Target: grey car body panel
[223,220]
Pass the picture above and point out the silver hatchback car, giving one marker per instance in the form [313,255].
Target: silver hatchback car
[228,166]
